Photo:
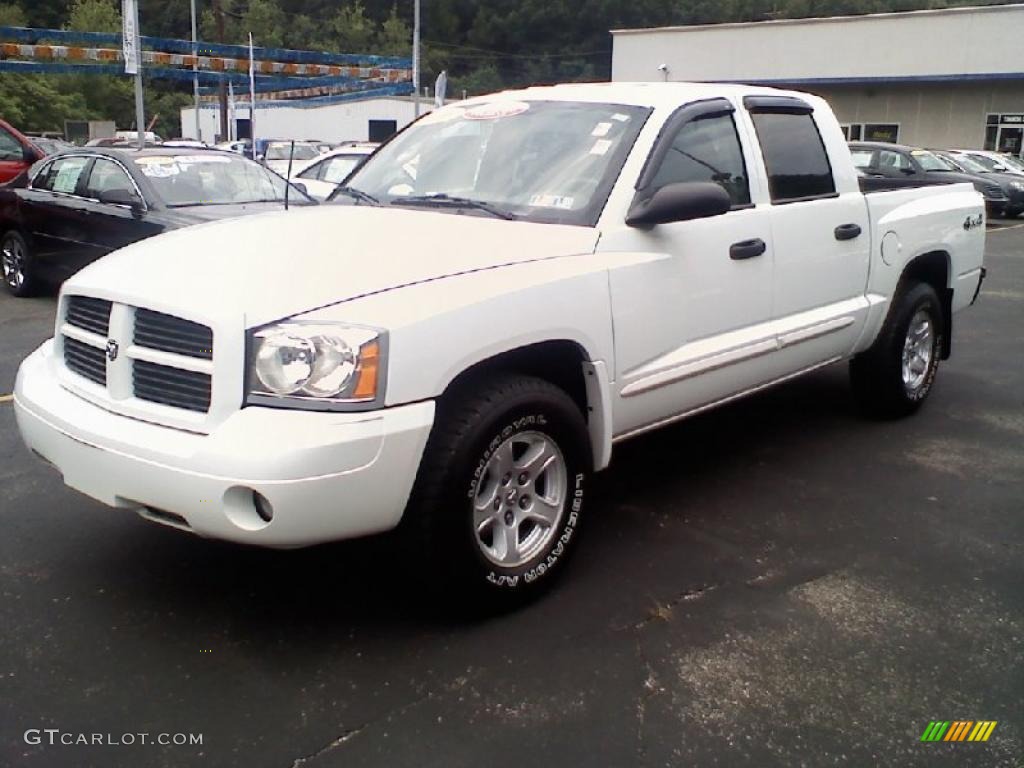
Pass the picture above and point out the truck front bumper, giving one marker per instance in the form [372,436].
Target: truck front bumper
[317,476]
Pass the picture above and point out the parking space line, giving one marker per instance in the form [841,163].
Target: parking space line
[6,398]
[1006,229]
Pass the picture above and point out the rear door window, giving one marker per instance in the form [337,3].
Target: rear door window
[794,156]
[62,175]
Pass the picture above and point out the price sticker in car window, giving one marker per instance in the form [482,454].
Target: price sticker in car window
[552,201]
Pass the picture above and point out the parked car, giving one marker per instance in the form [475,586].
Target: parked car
[1012,186]
[241,147]
[895,166]
[520,282]
[81,204]
[49,146]
[185,144]
[278,155]
[322,174]
[992,161]
[17,153]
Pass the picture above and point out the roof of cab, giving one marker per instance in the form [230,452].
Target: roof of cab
[638,94]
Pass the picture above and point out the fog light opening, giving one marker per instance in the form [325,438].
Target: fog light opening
[263,507]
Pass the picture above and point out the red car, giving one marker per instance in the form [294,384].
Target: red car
[16,152]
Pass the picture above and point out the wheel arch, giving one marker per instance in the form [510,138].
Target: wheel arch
[562,362]
[935,269]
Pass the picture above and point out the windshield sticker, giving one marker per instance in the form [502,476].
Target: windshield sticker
[601,147]
[620,117]
[496,110]
[601,129]
[155,160]
[552,201]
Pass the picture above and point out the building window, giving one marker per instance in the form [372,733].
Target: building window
[889,132]
[382,130]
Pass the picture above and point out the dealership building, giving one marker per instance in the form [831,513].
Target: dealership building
[941,78]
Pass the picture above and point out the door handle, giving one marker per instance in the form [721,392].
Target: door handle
[847,231]
[747,249]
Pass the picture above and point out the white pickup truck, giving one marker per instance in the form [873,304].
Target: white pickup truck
[503,292]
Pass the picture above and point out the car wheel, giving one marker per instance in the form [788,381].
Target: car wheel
[16,264]
[501,489]
[896,374]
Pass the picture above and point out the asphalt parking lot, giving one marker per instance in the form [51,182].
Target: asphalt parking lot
[780,582]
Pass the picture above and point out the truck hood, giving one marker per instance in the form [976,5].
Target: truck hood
[271,266]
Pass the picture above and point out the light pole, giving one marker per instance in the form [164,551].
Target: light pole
[416,57]
[195,71]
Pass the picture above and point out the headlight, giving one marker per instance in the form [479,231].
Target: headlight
[318,365]
[1018,185]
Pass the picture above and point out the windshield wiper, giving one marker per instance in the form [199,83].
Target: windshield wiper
[443,199]
[357,194]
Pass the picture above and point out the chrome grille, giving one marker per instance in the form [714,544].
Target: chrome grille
[171,386]
[85,360]
[155,330]
[89,313]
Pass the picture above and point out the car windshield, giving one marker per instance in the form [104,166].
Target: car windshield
[970,164]
[929,161]
[986,163]
[548,161]
[211,178]
[1014,162]
[282,151]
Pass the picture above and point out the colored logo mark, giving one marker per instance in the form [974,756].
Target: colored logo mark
[958,730]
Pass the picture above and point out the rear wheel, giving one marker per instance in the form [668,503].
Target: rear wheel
[16,264]
[894,377]
[501,488]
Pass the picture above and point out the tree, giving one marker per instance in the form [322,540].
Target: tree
[11,15]
[94,16]
[395,38]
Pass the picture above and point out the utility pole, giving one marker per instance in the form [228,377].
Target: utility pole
[195,71]
[130,42]
[218,10]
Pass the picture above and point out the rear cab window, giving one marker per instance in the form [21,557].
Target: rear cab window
[795,158]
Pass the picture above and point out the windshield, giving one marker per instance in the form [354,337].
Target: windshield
[212,178]
[986,163]
[971,165]
[548,161]
[282,151]
[929,161]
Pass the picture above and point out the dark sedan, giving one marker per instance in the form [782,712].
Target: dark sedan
[73,207]
[1012,185]
[894,166]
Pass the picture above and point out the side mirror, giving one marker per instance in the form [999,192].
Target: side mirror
[30,154]
[908,171]
[679,202]
[122,197]
[301,187]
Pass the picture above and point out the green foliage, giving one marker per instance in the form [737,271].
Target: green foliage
[94,16]
[11,15]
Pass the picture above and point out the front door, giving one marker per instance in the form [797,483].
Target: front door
[113,226]
[56,215]
[1010,140]
[692,320]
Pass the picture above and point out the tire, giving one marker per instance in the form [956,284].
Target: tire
[893,377]
[16,264]
[486,525]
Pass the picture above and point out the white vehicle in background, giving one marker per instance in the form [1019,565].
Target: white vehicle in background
[321,175]
[993,161]
[149,136]
[279,154]
[520,282]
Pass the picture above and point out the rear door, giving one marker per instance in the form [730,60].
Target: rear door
[821,234]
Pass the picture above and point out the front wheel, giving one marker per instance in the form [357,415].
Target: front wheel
[16,264]
[501,489]
[896,374]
